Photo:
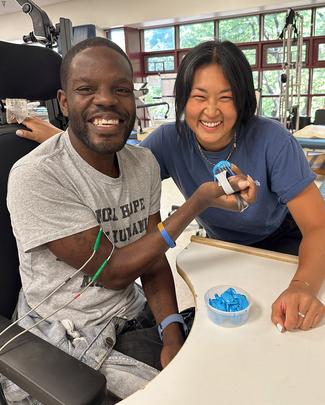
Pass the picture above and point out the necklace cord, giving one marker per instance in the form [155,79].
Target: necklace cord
[234,146]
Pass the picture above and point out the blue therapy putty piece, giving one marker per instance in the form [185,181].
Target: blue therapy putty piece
[229,301]
[223,165]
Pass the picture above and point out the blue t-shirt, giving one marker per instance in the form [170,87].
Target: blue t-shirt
[265,150]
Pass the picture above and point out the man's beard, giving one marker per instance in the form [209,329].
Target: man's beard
[80,129]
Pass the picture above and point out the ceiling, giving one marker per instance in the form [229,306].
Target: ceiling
[12,6]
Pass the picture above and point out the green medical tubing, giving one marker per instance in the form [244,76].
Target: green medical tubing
[97,242]
[99,271]
[93,279]
[101,268]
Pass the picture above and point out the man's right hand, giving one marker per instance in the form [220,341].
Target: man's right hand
[209,192]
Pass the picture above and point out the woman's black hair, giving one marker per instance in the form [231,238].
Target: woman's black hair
[236,70]
[81,46]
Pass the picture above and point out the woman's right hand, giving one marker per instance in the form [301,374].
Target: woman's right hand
[230,201]
[38,130]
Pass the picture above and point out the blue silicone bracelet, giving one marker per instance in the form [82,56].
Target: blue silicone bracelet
[167,238]
[165,235]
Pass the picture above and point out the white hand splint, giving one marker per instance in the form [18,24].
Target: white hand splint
[220,171]
[224,183]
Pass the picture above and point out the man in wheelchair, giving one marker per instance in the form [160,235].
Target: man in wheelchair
[85,213]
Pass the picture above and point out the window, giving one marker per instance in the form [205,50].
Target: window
[273,55]
[304,81]
[117,35]
[271,87]
[159,39]
[154,87]
[161,63]
[157,86]
[193,34]
[320,21]
[273,25]
[321,52]
[240,29]
[306,14]
[271,82]
[302,105]
[318,83]
[270,107]
[318,52]
[255,79]
[258,38]
[317,102]
[250,54]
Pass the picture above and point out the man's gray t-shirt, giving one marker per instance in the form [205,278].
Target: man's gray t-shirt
[53,193]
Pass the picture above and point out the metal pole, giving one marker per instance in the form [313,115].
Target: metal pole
[291,75]
[299,63]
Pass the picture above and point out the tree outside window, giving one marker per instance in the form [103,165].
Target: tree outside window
[191,35]
[160,63]
[273,25]
[306,14]
[245,31]
[318,84]
[270,107]
[159,39]
[320,21]
[274,54]
[250,54]
[255,79]
[240,29]
[271,86]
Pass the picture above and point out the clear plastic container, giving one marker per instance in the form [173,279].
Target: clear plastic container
[223,318]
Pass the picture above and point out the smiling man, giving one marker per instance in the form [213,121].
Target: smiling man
[76,183]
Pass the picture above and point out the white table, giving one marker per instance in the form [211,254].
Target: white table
[250,365]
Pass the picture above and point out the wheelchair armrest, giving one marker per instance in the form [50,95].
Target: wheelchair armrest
[47,373]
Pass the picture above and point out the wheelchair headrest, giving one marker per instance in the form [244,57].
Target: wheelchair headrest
[28,71]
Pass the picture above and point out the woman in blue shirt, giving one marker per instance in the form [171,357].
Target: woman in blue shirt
[215,120]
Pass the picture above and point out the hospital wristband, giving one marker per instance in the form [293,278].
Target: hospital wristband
[165,235]
[172,319]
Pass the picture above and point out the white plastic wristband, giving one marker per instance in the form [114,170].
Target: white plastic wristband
[171,319]
[224,183]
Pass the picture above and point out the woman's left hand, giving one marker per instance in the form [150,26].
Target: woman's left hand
[297,308]
[37,129]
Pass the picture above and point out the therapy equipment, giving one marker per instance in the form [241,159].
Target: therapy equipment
[221,171]
[44,32]
[50,36]
[292,34]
